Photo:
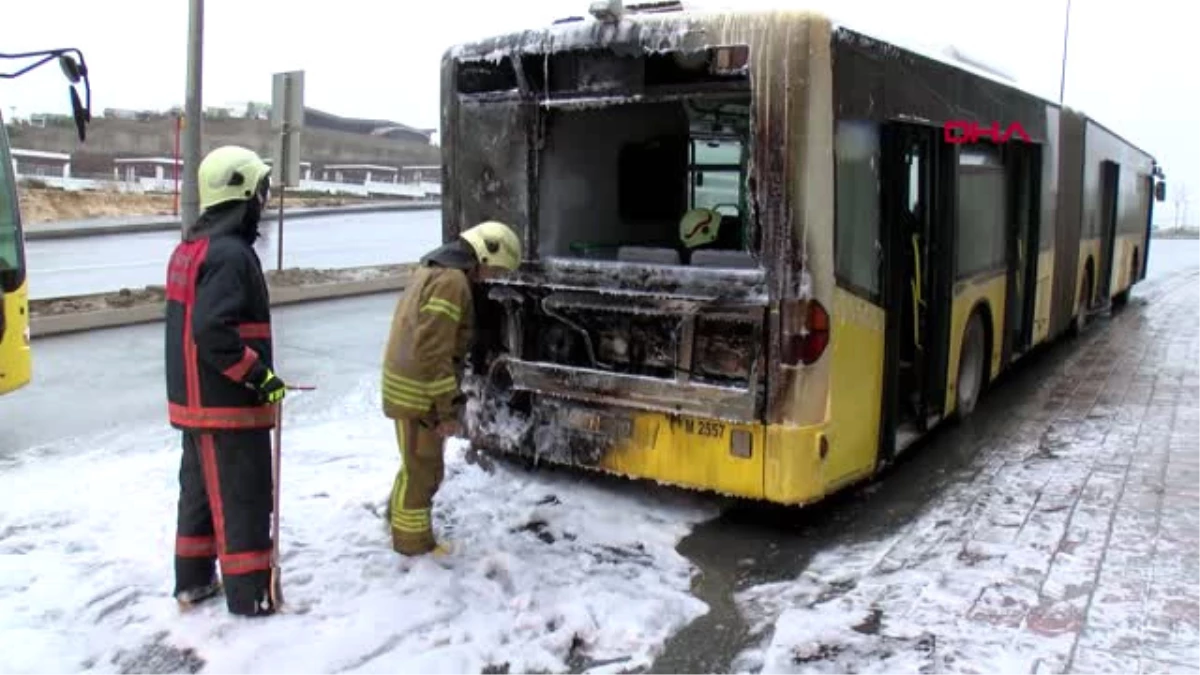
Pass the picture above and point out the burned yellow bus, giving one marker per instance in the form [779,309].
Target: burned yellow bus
[866,272]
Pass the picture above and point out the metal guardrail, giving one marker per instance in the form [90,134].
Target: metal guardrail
[423,190]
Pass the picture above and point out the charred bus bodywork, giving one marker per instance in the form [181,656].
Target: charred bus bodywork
[799,355]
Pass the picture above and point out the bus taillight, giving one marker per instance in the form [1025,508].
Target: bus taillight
[806,331]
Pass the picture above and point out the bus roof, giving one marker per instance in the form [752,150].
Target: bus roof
[667,24]
[659,25]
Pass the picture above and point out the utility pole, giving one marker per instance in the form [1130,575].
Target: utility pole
[287,120]
[193,113]
[1062,83]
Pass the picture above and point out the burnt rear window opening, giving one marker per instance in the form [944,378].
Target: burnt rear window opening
[615,182]
[599,70]
[645,139]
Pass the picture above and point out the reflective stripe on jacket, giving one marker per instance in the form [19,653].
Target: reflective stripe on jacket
[430,335]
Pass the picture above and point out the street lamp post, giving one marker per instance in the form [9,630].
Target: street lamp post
[193,114]
[1062,83]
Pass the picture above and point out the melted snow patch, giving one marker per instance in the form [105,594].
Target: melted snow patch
[547,571]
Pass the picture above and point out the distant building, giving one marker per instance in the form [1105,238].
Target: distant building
[306,169]
[421,174]
[40,163]
[360,174]
[130,169]
[123,114]
[317,119]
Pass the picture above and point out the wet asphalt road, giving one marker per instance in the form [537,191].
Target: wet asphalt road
[112,381]
[76,266]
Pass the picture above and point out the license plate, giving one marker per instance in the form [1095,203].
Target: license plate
[613,426]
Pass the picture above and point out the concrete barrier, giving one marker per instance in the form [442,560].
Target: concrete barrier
[137,224]
[75,322]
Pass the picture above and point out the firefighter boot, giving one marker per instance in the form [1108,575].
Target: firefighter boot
[190,597]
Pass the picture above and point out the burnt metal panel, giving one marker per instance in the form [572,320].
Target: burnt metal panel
[618,277]
[496,169]
[632,391]
[654,306]
[448,141]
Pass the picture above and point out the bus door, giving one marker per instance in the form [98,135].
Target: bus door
[914,272]
[1110,180]
[1022,246]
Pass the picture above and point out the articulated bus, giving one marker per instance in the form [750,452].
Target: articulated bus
[876,268]
[16,361]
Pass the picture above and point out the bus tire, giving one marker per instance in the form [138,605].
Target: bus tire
[972,365]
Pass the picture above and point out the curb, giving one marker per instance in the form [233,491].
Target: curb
[61,324]
[32,233]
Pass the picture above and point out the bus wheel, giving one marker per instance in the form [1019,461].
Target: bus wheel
[971,362]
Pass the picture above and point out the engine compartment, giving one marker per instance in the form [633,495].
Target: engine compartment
[628,334]
[563,371]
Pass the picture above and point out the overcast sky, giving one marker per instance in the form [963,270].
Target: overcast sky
[1127,61]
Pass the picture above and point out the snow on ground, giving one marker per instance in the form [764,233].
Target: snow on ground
[547,570]
[1069,546]
[954,593]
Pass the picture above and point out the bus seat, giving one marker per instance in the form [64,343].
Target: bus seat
[648,255]
[715,257]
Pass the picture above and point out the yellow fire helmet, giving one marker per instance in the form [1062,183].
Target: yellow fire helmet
[230,173]
[495,244]
[699,227]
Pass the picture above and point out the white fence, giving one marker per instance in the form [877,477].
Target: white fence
[424,190]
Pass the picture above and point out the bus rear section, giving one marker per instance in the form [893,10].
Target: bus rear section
[619,346]
[15,357]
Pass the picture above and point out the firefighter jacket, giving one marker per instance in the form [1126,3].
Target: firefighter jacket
[218,326]
[430,337]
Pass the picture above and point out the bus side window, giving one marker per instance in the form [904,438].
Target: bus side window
[856,180]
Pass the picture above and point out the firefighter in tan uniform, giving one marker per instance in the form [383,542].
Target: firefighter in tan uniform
[430,335]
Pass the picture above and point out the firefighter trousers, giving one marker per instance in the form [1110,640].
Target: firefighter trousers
[416,483]
[225,503]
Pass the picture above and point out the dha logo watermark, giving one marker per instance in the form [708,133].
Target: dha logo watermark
[965,131]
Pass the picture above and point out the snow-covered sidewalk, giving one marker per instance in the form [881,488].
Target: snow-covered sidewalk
[549,572]
[1072,544]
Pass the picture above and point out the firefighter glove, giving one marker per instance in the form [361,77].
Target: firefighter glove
[267,385]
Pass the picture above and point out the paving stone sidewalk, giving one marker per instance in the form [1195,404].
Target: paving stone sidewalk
[1073,544]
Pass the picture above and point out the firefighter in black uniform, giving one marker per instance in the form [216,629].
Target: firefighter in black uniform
[221,389]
